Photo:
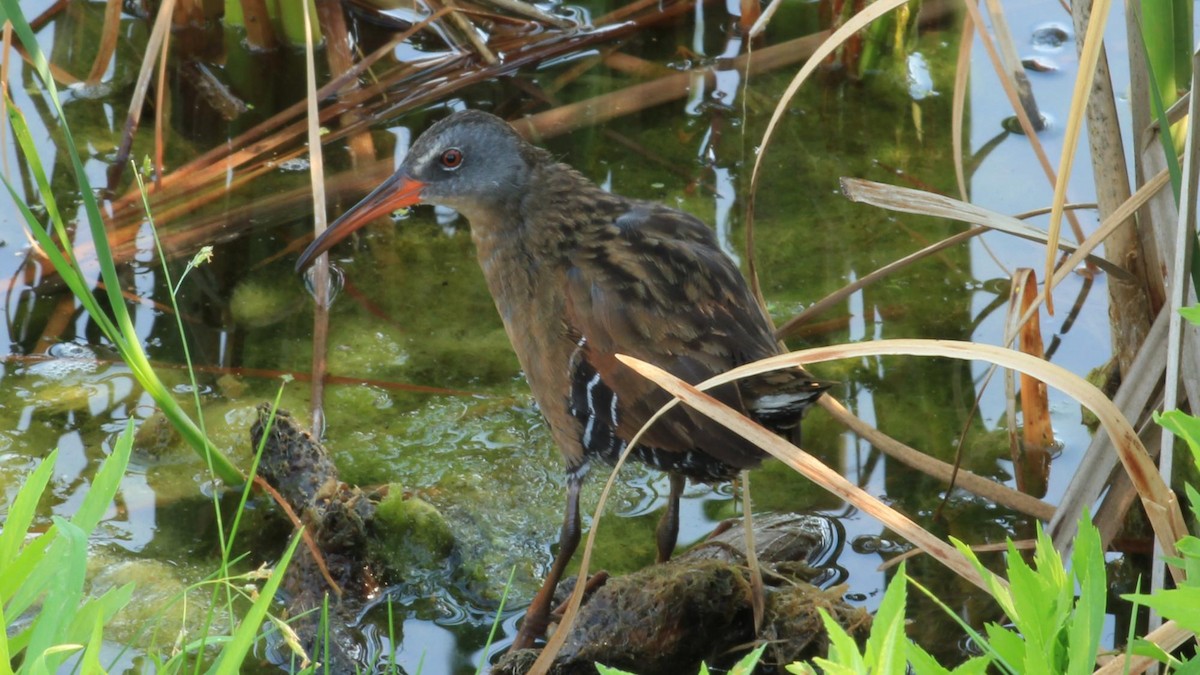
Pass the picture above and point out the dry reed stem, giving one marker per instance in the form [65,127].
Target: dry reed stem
[160,104]
[1181,291]
[1088,56]
[338,53]
[971,482]
[1097,474]
[1180,335]
[158,34]
[39,21]
[644,95]
[1012,65]
[761,24]
[770,443]
[5,63]
[108,41]
[1035,405]
[58,322]
[1020,545]
[309,542]
[1159,502]
[1168,636]
[320,273]
[1032,459]
[820,53]
[958,104]
[1135,302]
[809,466]
[530,12]
[1014,101]
[466,29]
[1095,239]
[791,327]
[266,137]
[920,202]
[250,144]
[260,32]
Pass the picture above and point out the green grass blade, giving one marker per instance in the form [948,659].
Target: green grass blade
[118,327]
[5,652]
[108,270]
[887,646]
[21,512]
[26,576]
[988,649]
[1181,605]
[235,651]
[1161,83]
[747,664]
[1087,624]
[67,560]
[106,483]
[491,634]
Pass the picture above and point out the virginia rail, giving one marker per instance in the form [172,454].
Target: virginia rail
[579,275]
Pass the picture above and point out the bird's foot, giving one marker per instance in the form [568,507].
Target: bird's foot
[594,583]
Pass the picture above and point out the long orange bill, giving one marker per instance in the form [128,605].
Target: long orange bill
[394,193]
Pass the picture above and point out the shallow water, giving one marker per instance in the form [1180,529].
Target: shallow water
[414,311]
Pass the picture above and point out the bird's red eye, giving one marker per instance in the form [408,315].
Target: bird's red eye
[452,158]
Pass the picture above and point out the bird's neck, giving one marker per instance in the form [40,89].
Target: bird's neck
[537,229]
[524,245]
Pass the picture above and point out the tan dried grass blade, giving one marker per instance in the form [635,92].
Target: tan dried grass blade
[316,167]
[1168,636]
[1113,221]
[1094,475]
[108,41]
[1161,507]
[931,466]
[958,104]
[800,320]
[1090,54]
[1013,68]
[909,200]
[1032,461]
[853,25]
[158,34]
[1010,91]
[809,466]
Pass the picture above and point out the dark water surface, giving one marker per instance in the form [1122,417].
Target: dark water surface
[414,311]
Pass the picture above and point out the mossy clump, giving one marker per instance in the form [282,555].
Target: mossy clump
[410,533]
[367,350]
[262,301]
[156,436]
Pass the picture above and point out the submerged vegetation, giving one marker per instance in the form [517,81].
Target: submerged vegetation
[414,396]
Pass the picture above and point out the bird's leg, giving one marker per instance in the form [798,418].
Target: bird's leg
[668,526]
[537,617]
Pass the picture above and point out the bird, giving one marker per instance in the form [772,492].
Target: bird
[580,274]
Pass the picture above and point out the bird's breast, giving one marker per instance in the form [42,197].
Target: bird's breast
[528,291]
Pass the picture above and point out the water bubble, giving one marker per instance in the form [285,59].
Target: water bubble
[67,360]
[337,281]
[875,544]
[294,164]
[71,350]
[187,389]
[91,92]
